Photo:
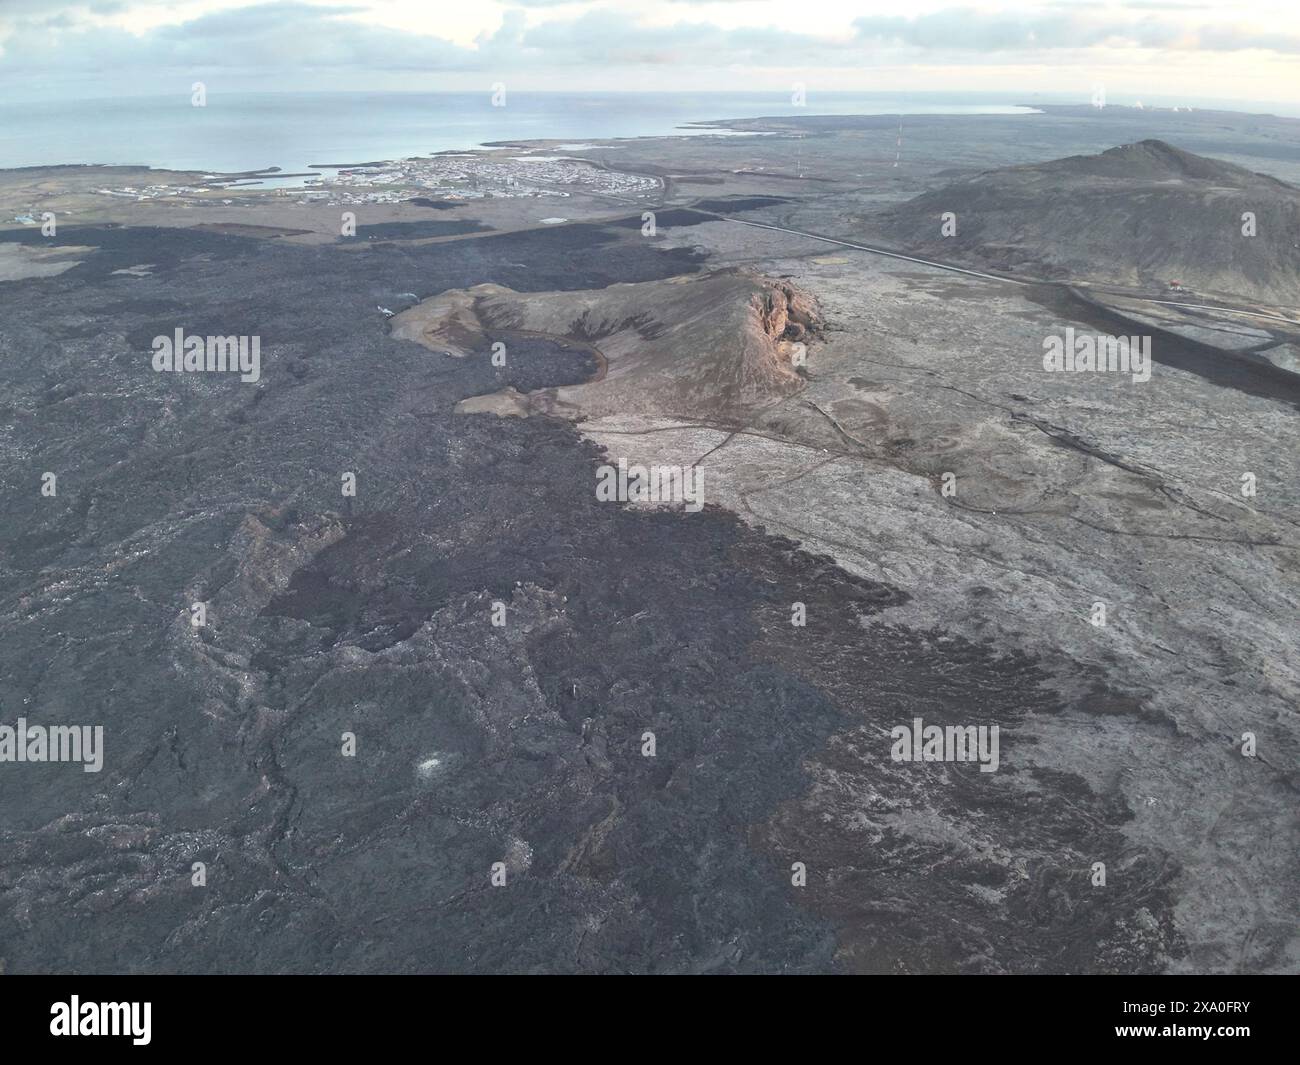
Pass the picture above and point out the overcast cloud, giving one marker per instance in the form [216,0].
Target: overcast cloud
[108,47]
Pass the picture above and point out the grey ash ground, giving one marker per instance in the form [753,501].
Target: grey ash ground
[522,744]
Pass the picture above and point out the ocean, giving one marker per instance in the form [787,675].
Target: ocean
[252,131]
[293,131]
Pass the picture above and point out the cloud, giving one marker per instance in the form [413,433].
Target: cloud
[280,38]
[608,37]
[291,44]
[288,37]
[969,30]
[66,10]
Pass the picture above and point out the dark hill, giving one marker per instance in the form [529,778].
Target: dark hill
[1141,214]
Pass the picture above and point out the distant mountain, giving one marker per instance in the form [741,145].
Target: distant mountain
[1143,214]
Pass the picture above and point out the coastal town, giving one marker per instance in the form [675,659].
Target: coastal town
[473,176]
[451,177]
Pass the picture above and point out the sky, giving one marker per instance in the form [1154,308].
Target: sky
[1246,50]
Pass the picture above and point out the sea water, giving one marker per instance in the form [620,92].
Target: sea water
[233,133]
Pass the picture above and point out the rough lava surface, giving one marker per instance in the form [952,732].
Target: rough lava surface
[522,744]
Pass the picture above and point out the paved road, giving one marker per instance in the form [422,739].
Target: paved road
[1223,309]
[879,251]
